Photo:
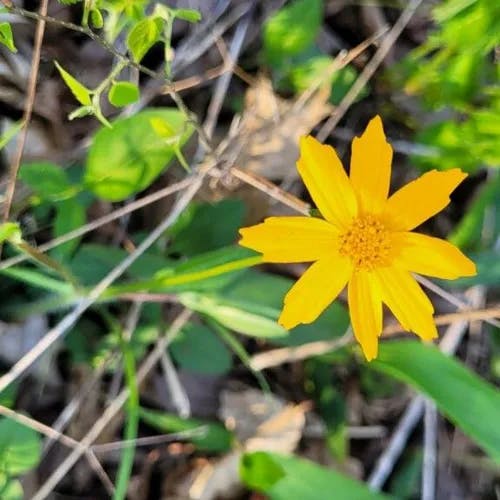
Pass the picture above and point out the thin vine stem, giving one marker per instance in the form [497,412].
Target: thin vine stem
[91,34]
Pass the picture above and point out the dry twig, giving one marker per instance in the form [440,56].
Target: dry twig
[63,439]
[112,409]
[28,109]
[412,414]
[276,357]
[369,69]
[430,451]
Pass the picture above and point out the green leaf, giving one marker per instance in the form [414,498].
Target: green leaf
[450,9]
[330,403]
[468,144]
[163,12]
[81,342]
[452,66]
[190,15]
[451,148]
[134,9]
[20,448]
[123,93]
[81,93]
[203,227]
[253,302]
[162,128]
[197,349]
[96,18]
[143,36]
[405,481]
[127,158]
[50,182]
[232,317]
[211,437]
[6,36]
[10,133]
[93,261]
[468,401]
[207,271]
[10,231]
[10,489]
[485,207]
[484,129]
[8,395]
[304,74]
[283,477]
[70,214]
[38,279]
[292,29]
[259,471]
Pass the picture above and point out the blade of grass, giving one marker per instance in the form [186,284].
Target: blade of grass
[38,280]
[131,424]
[237,347]
[184,278]
[10,133]
[44,260]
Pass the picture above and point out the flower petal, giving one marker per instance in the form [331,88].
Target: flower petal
[291,239]
[371,159]
[327,182]
[422,198]
[315,290]
[404,297]
[424,254]
[365,308]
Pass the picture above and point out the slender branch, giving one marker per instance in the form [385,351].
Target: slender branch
[430,452]
[28,110]
[369,69]
[53,434]
[177,393]
[386,461]
[282,355]
[151,440]
[413,413]
[42,17]
[75,403]
[276,357]
[451,298]
[222,84]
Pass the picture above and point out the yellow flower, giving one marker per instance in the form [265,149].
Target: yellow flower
[364,241]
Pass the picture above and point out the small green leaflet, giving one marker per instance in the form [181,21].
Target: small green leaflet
[6,36]
[123,93]
[143,36]
[81,93]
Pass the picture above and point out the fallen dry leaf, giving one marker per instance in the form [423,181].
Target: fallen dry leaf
[271,128]
[270,424]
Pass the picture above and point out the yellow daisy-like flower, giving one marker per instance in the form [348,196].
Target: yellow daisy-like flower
[364,241]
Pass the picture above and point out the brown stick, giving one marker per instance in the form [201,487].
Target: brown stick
[28,108]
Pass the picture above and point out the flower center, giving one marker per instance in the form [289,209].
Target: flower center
[366,242]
